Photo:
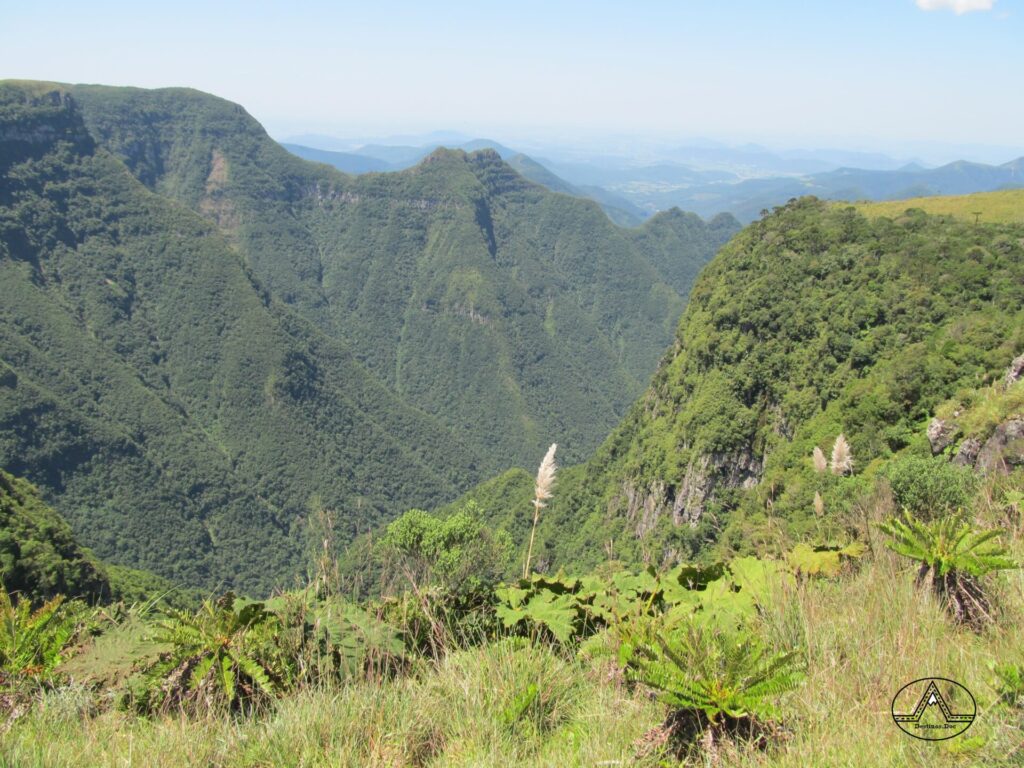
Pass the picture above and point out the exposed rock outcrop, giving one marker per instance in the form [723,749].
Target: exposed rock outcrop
[645,507]
[998,451]
[688,502]
[941,434]
[1015,372]
[1005,449]
[967,453]
[729,470]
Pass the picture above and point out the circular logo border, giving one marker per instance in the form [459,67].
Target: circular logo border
[892,708]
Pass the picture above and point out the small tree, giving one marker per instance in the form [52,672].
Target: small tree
[930,487]
[953,558]
[450,565]
[455,552]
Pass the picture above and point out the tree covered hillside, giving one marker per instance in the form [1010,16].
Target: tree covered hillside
[181,418]
[508,312]
[812,323]
[204,337]
[39,557]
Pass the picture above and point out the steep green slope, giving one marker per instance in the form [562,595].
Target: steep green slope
[813,322]
[179,417]
[618,209]
[669,238]
[39,557]
[506,311]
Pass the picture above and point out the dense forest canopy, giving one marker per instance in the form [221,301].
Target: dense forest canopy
[205,338]
[181,418]
[504,310]
[814,322]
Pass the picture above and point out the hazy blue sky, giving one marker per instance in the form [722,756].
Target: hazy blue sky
[850,72]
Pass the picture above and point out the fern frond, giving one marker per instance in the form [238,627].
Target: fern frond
[200,671]
[227,669]
[255,672]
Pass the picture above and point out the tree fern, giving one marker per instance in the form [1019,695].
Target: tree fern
[952,558]
[722,675]
[33,642]
[220,654]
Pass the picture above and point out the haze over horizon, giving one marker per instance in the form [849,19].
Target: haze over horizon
[540,384]
[872,76]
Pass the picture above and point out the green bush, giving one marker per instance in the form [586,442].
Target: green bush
[240,654]
[458,551]
[929,487]
[952,557]
[717,676]
[221,655]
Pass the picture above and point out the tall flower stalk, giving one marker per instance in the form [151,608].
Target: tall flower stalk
[541,493]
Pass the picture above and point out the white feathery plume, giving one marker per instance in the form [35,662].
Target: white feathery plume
[545,477]
[842,459]
[541,493]
[820,462]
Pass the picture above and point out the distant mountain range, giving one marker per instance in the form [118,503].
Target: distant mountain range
[746,199]
[706,178]
[380,158]
[656,187]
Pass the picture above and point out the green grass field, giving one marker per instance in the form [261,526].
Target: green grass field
[866,635]
[1005,207]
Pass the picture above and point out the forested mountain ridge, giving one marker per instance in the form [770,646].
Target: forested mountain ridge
[41,559]
[203,336]
[504,310]
[619,210]
[814,322]
[180,418]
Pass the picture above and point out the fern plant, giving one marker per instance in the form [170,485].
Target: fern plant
[330,639]
[952,558]
[219,655]
[1009,682]
[715,680]
[33,642]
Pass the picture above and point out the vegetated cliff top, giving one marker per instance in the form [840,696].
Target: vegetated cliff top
[1005,206]
[813,322]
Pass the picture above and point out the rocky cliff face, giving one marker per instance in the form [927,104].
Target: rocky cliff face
[1004,450]
[46,116]
[995,449]
[687,501]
